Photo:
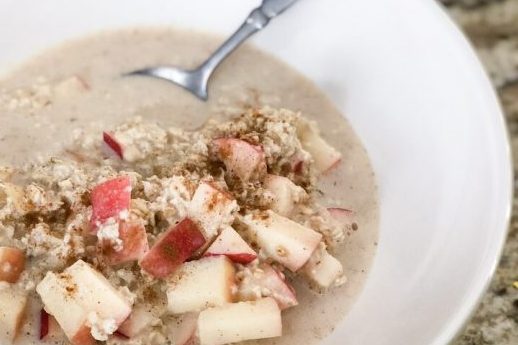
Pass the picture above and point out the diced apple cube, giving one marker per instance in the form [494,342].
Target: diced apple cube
[341,215]
[341,222]
[110,199]
[12,311]
[172,249]
[200,284]
[286,193]
[282,239]
[83,336]
[298,162]
[212,209]
[134,244]
[68,312]
[239,322]
[135,140]
[12,264]
[324,155]
[265,281]
[140,319]
[76,293]
[70,87]
[44,324]
[242,159]
[183,328]
[232,245]
[324,270]
[110,140]
[50,331]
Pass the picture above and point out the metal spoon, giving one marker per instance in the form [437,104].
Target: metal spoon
[196,81]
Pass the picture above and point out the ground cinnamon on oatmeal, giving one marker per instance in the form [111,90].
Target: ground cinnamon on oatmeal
[168,168]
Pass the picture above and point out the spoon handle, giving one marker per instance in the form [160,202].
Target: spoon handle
[256,21]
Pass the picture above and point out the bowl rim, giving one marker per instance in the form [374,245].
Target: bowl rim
[466,310]
[465,315]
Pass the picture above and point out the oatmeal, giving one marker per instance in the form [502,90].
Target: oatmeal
[154,228]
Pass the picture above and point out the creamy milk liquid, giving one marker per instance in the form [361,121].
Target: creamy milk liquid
[248,78]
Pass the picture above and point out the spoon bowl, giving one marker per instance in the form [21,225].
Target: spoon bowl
[196,81]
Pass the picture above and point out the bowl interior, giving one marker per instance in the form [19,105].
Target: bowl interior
[419,99]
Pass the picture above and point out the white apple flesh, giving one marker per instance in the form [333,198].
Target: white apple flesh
[286,193]
[324,270]
[324,155]
[140,319]
[80,290]
[282,239]
[212,208]
[68,312]
[97,294]
[241,321]
[232,245]
[200,284]
[265,281]
[183,328]
[12,310]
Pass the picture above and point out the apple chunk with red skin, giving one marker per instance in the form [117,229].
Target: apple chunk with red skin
[269,280]
[282,239]
[77,292]
[12,311]
[241,158]
[112,142]
[324,155]
[241,321]
[212,208]
[134,244]
[201,283]
[50,331]
[12,264]
[172,249]
[109,200]
[44,324]
[232,245]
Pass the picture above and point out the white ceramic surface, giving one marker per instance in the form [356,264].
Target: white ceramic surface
[418,97]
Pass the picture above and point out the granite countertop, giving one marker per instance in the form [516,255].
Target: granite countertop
[492,26]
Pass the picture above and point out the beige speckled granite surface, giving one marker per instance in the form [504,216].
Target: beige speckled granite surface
[492,25]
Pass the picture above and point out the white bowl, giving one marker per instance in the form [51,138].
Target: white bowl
[419,99]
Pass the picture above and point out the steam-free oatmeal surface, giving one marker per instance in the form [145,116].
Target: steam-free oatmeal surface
[55,109]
